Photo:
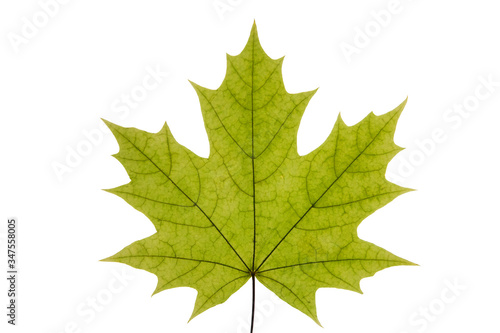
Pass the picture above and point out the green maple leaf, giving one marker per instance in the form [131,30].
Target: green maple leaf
[255,208]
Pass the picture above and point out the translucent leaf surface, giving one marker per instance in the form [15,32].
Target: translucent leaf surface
[255,207]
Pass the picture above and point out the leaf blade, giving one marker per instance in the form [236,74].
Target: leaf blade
[255,206]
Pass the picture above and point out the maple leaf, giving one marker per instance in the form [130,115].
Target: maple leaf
[255,208]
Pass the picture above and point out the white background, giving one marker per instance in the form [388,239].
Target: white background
[74,70]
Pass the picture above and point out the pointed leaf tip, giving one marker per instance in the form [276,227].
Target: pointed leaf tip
[254,27]
[254,35]
[107,122]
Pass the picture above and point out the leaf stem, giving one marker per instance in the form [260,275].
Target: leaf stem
[253,302]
